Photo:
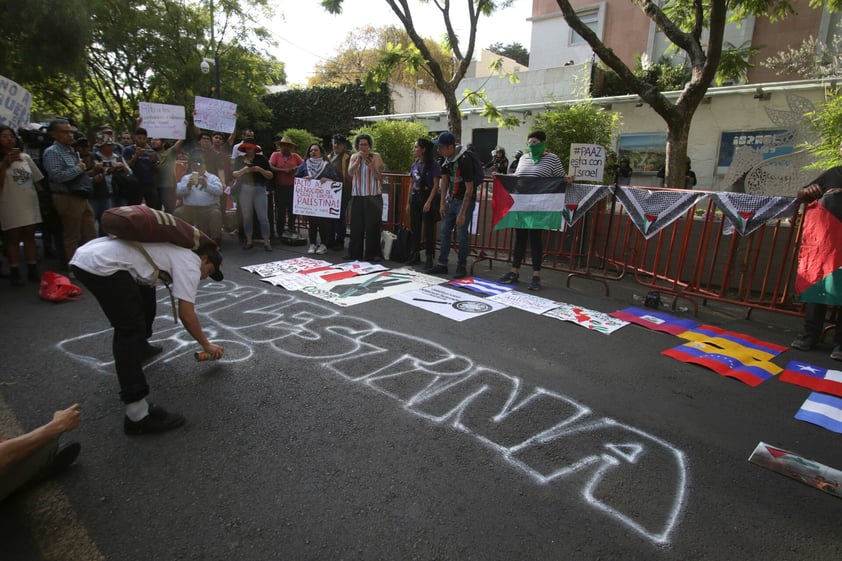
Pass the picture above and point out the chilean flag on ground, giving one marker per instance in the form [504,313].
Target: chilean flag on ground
[534,203]
[813,377]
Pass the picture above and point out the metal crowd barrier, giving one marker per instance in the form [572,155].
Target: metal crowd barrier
[692,259]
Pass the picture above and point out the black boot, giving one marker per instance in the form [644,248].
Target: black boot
[414,258]
[429,263]
[32,273]
[14,276]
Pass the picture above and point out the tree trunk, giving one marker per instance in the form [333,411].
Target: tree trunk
[454,116]
[678,132]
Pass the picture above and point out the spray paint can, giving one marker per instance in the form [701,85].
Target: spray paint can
[202,356]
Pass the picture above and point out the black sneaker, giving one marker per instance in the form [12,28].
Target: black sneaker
[158,420]
[461,273]
[804,342]
[151,351]
[508,278]
[63,458]
[837,353]
[436,269]
[535,284]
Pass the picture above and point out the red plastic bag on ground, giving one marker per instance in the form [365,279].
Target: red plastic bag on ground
[58,288]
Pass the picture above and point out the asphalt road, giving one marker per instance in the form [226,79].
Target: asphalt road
[381,431]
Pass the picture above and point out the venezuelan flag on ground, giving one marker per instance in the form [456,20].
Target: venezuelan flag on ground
[534,203]
[729,354]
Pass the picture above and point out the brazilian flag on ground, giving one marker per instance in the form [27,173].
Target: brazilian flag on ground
[819,277]
[534,203]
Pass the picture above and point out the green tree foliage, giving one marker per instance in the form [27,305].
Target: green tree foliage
[697,28]
[514,51]
[419,54]
[394,141]
[325,110]
[827,122]
[361,52]
[811,59]
[584,123]
[662,74]
[302,139]
[150,50]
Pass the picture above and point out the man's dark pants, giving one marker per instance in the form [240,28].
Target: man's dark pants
[130,308]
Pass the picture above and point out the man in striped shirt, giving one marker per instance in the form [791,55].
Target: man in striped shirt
[539,163]
[366,170]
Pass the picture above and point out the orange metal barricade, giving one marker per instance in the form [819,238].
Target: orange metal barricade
[692,259]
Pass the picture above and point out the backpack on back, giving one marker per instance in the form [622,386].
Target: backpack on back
[140,223]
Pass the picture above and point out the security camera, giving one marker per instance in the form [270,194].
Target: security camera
[204,67]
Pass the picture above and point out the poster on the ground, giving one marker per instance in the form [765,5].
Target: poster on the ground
[275,268]
[374,286]
[589,319]
[317,199]
[215,114]
[162,120]
[448,302]
[525,302]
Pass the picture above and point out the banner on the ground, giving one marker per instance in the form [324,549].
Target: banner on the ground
[15,104]
[801,469]
[162,120]
[215,114]
[314,198]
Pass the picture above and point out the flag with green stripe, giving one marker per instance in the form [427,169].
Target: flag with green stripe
[534,203]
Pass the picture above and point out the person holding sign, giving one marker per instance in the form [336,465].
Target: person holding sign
[316,167]
[144,163]
[251,170]
[539,163]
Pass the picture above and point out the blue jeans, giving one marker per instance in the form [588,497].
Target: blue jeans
[253,199]
[448,223]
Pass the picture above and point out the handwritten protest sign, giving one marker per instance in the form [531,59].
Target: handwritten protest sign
[215,114]
[163,121]
[314,198]
[15,104]
[587,162]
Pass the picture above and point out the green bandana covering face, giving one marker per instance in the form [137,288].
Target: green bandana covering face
[536,151]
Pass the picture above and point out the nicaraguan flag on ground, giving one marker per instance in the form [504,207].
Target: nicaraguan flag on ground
[813,377]
[656,321]
[823,410]
[487,287]
[534,203]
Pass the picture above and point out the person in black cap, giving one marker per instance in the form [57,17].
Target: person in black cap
[122,275]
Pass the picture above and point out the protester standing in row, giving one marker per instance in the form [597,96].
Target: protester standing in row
[340,158]
[20,212]
[423,204]
[283,163]
[539,163]
[366,169]
[251,170]
[317,167]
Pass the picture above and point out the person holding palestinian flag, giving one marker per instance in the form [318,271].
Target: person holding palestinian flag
[819,278]
[539,163]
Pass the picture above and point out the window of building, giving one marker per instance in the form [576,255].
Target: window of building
[592,18]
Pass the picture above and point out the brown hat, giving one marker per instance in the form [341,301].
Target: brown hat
[285,140]
[249,143]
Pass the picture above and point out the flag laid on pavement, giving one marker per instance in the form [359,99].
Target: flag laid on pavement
[801,469]
[747,213]
[487,287]
[652,211]
[580,198]
[534,203]
[819,277]
[729,354]
[813,377]
[656,321]
[823,410]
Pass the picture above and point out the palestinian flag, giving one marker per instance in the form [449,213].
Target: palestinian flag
[652,211]
[746,213]
[819,277]
[580,198]
[534,203]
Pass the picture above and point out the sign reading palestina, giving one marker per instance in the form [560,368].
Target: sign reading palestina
[587,162]
[314,198]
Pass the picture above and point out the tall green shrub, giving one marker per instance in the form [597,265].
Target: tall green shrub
[827,122]
[394,140]
[303,139]
[584,123]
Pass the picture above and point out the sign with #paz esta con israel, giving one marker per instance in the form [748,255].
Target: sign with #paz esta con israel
[587,162]
[314,198]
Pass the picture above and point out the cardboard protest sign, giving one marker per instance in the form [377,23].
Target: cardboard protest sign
[587,162]
[163,121]
[15,104]
[215,114]
[314,198]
